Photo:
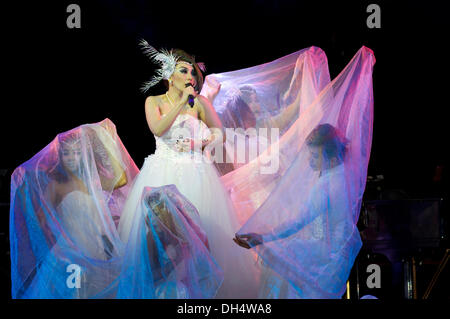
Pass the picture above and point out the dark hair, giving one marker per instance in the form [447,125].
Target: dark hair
[184,56]
[332,142]
[246,90]
[237,113]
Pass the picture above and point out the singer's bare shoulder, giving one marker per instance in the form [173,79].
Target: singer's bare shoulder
[155,99]
[150,103]
[159,102]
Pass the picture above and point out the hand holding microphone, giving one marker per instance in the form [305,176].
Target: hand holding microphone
[190,94]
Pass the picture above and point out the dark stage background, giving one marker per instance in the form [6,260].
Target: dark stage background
[58,78]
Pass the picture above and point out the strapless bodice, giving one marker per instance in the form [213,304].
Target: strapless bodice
[184,126]
[76,200]
[83,224]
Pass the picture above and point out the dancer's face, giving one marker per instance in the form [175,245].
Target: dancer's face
[316,160]
[184,74]
[71,157]
[251,98]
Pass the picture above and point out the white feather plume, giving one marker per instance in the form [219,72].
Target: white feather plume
[166,59]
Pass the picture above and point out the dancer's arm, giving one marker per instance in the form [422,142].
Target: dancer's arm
[111,173]
[51,196]
[291,227]
[212,88]
[286,229]
[286,115]
[114,183]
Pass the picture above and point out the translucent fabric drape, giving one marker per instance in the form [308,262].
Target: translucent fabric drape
[301,197]
[296,175]
[168,250]
[255,101]
[66,202]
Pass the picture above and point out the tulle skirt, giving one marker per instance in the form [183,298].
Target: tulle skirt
[200,183]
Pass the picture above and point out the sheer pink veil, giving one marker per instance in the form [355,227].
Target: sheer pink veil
[294,164]
[65,203]
[306,213]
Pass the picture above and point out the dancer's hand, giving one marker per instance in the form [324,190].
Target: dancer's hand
[248,240]
[207,141]
[214,92]
[107,126]
[184,145]
[212,89]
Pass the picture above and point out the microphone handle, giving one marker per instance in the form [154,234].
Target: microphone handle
[191,100]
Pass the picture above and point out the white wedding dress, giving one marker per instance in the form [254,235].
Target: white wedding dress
[85,239]
[198,180]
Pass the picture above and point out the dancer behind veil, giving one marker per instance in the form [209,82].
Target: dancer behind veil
[167,255]
[260,104]
[326,201]
[305,230]
[245,116]
[184,125]
[65,202]
[277,94]
[307,242]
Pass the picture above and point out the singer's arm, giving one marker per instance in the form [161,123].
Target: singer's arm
[157,123]
[209,116]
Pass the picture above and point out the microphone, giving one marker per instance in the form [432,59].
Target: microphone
[191,100]
[190,97]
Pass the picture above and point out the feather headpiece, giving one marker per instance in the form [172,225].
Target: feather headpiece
[167,61]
